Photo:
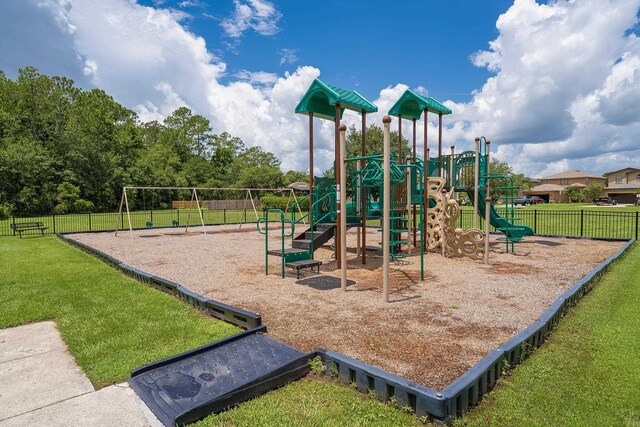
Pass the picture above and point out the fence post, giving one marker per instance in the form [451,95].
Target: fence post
[89,221]
[151,216]
[535,221]
[14,224]
[224,215]
[581,222]
[245,215]
[636,225]
[178,212]
[54,223]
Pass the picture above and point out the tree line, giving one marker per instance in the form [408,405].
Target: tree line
[68,150]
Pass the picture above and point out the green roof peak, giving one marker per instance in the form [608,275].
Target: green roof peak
[411,105]
[321,99]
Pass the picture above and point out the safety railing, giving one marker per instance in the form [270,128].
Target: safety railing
[283,234]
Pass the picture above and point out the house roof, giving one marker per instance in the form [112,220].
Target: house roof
[622,186]
[411,105]
[621,170]
[545,187]
[321,99]
[299,186]
[578,185]
[572,173]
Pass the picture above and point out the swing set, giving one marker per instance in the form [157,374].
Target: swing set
[250,200]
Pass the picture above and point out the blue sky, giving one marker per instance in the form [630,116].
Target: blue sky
[362,45]
[555,85]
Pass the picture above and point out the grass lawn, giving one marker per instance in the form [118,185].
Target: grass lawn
[588,373]
[113,324]
[110,322]
[315,402]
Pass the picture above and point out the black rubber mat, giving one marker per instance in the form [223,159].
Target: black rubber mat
[188,387]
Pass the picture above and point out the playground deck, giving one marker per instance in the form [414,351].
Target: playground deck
[430,332]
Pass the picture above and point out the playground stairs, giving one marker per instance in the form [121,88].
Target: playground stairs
[301,245]
[187,387]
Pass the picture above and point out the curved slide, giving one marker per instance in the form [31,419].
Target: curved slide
[515,231]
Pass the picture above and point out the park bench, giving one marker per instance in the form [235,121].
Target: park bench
[307,263]
[21,227]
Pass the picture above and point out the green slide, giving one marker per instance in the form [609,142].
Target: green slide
[514,231]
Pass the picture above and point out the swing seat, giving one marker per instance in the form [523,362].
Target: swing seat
[149,224]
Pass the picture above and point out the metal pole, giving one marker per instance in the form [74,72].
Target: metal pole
[386,200]
[476,182]
[451,170]
[186,228]
[413,162]
[440,145]
[310,162]
[118,218]
[126,202]
[338,189]
[363,197]
[409,219]
[204,230]
[425,181]
[343,210]
[487,209]
[399,155]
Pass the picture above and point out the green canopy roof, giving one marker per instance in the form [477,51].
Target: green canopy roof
[411,105]
[322,98]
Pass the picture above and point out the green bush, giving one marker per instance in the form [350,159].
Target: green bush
[5,211]
[270,201]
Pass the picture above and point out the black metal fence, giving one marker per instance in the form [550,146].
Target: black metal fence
[139,219]
[575,223]
[578,223]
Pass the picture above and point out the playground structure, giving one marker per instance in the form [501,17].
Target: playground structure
[411,217]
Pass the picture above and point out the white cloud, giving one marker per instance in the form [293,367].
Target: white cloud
[563,95]
[258,15]
[566,85]
[260,78]
[288,56]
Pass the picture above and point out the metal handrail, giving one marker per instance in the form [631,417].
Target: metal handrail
[283,234]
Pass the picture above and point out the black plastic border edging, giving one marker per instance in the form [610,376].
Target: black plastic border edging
[468,389]
[422,400]
[228,313]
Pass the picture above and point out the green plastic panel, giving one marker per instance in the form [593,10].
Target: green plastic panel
[321,99]
[411,105]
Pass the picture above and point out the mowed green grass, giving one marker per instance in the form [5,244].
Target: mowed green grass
[313,402]
[588,373]
[111,323]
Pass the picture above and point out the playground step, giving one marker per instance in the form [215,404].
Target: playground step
[291,254]
[312,234]
[309,263]
[188,387]
[302,244]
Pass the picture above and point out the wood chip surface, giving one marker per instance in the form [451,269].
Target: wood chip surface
[431,332]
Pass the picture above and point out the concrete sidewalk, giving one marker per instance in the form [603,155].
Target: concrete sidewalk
[40,384]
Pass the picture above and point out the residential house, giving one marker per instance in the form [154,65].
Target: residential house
[552,187]
[623,184]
